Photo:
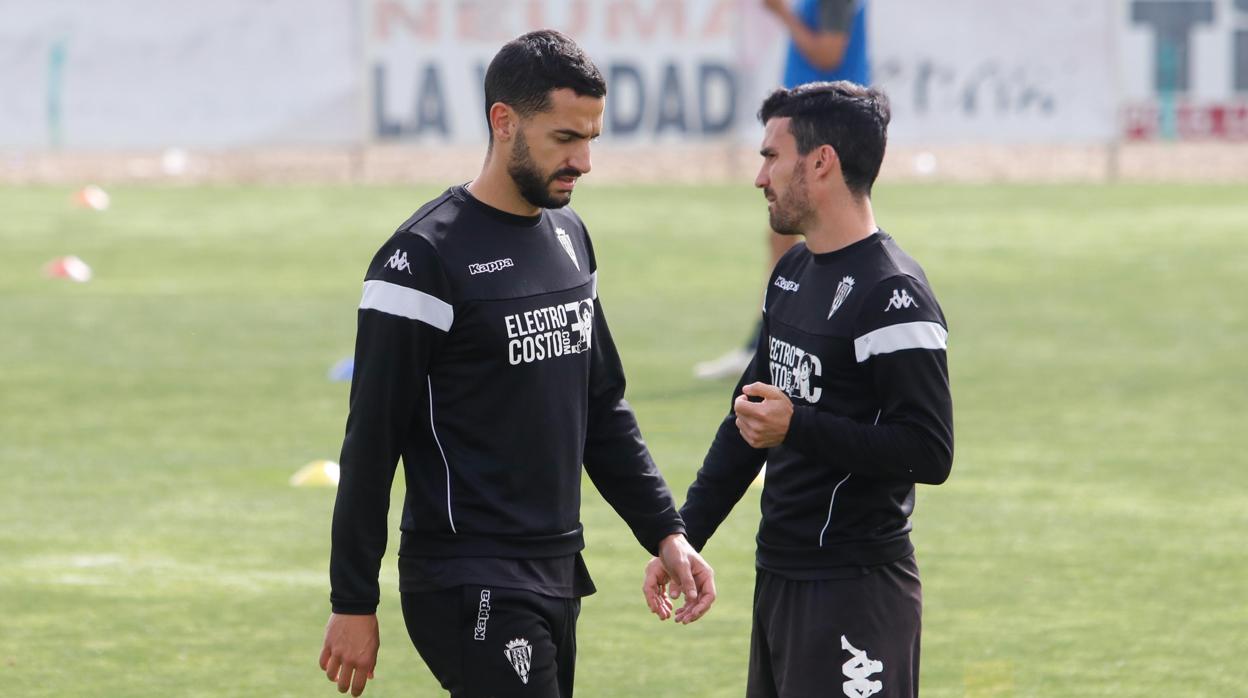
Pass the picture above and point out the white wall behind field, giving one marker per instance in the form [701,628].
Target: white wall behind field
[114,74]
[968,71]
[347,81]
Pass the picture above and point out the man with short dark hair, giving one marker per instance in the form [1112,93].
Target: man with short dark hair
[484,361]
[827,42]
[847,400]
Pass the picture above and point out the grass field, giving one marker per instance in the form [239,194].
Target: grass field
[1089,542]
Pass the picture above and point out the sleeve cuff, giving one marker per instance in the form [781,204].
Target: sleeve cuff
[653,548]
[799,427]
[354,608]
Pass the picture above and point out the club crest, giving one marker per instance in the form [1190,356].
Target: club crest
[520,653]
[566,241]
[842,292]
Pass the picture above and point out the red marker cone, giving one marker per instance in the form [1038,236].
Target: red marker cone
[92,197]
[69,267]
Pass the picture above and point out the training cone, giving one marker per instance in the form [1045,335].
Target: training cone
[92,197]
[69,267]
[342,370]
[318,473]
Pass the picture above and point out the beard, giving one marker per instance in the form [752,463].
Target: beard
[532,184]
[792,213]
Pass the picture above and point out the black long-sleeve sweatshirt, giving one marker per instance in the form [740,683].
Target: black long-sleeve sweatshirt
[483,360]
[856,340]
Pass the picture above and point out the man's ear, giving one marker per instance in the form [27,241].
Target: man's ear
[826,161]
[504,121]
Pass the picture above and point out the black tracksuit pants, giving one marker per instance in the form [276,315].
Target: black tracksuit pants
[490,642]
[856,635]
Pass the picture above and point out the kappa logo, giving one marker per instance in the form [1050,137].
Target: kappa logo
[858,670]
[567,246]
[785,285]
[483,615]
[491,267]
[520,653]
[900,300]
[398,262]
[842,292]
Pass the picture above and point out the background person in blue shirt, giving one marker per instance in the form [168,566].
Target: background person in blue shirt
[827,42]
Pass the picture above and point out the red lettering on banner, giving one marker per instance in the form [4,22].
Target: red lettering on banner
[1237,122]
[395,15]
[494,22]
[576,25]
[1187,122]
[1140,122]
[1194,121]
[481,20]
[669,12]
[721,20]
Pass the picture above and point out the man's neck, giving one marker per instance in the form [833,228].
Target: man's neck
[841,223]
[494,187]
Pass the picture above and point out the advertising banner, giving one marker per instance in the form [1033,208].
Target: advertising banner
[968,71]
[677,70]
[143,74]
[1184,70]
[120,74]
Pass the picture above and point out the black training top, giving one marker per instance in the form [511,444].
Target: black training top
[856,339]
[483,359]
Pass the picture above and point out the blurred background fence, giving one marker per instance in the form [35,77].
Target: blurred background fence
[390,90]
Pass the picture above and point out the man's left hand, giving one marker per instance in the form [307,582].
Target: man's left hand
[679,569]
[763,424]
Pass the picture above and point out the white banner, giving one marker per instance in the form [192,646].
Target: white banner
[969,71]
[239,73]
[1028,71]
[677,70]
[141,73]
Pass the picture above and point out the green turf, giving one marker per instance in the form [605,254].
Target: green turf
[1089,542]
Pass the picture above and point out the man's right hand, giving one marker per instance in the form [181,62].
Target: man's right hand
[350,652]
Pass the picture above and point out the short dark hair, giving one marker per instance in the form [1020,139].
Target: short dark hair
[851,118]
[527,68]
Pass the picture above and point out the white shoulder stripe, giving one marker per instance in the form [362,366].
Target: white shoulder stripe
[907,335]
[593,285]
[407,302]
